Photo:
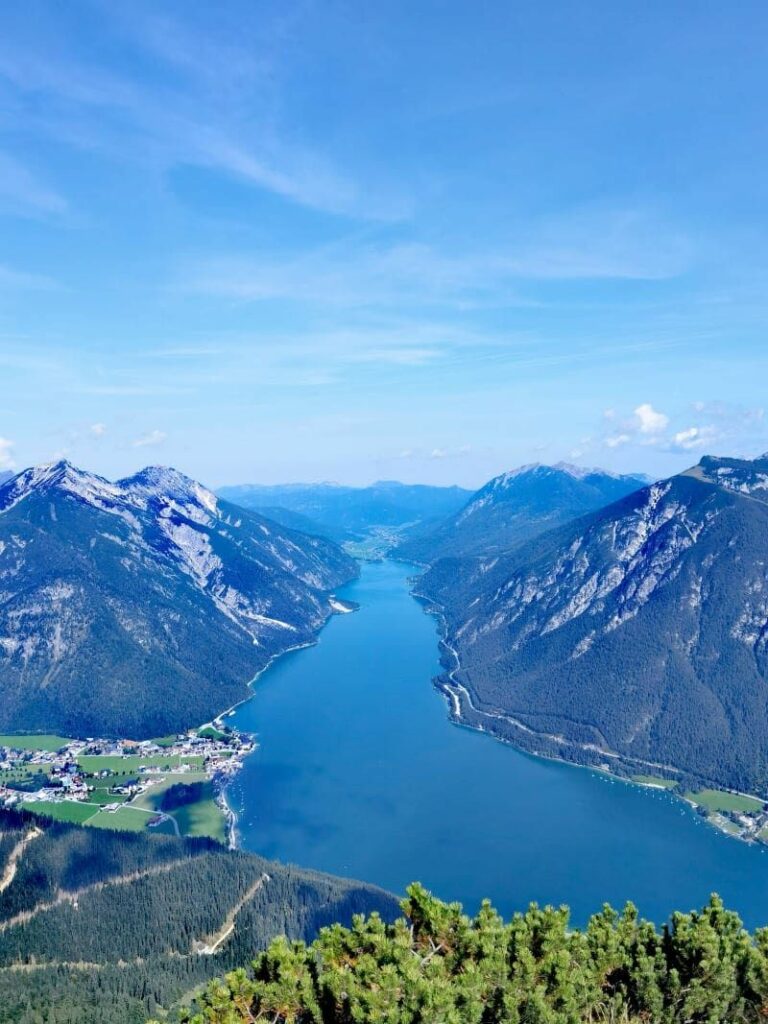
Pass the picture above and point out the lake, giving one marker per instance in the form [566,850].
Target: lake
[359,772]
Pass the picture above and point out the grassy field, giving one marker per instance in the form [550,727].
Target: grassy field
[20,774]
[125,819]
[71,811]
[719,800]
[202,818]
[130,764]
[150,800]
[165,741]
[48,742]
[210,733]
[654,780]
[103,796]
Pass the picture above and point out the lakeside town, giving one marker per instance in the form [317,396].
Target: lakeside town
[173,784]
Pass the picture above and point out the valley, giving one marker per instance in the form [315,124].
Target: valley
[369,799]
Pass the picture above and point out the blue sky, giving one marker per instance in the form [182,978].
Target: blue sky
[339,240]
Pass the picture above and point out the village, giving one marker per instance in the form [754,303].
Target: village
[173,784]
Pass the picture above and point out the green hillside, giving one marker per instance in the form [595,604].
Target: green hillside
[635,634]
[98,927]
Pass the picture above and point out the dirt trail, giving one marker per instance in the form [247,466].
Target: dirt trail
[10,868]
[208,948]
[72,896]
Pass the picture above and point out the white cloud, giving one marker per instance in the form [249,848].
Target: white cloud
[151,439]
[617,440]
[734,430]
[6,456]
[97,430]
[650,421]
[694,437]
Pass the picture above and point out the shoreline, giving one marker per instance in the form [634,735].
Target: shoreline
[454,690]
[230,815]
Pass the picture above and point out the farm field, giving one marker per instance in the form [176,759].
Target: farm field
[124,819]
[49,742]
[130,764]
[65,810]
[720,800]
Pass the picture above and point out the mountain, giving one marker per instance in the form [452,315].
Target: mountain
[98,926]
[516,506]
[141,607]
[636,634]
[5,475]
[349,513]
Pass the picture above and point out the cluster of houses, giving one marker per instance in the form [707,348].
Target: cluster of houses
[31,776]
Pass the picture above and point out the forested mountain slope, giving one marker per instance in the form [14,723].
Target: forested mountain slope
[98,926]
[516,506]
[141,607]
[438,966]
[344,513]
[636,634]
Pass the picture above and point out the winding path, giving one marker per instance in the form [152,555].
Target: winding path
[15,856]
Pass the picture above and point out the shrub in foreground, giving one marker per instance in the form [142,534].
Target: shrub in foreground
[437,966]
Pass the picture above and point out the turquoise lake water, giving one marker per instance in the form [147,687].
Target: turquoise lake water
[360,773]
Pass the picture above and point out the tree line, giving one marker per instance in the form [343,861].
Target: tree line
[435,965]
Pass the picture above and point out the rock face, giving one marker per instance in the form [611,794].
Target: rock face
[144,606]
[516,506]
[636,634]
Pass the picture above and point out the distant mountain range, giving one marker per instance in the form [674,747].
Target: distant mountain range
[516,506]
[141,607]
[634,636]
[349,513]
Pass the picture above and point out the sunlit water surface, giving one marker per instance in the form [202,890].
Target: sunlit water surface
[360,773]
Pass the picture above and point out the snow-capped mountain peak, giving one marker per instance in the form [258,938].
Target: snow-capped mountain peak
[159,483]
[187,496]
[188,597]
[62,476]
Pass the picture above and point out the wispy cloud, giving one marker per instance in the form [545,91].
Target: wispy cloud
[23,193]
[6,454]
[151,439]
[598,242]
[21,280]
[355,274]
[206,98]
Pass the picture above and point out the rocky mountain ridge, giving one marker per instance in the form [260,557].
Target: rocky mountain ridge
[144,605]
[638,633]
